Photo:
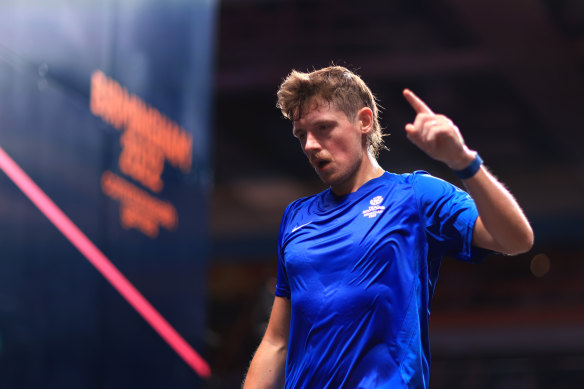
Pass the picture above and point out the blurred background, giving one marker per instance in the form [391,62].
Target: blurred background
[153,126]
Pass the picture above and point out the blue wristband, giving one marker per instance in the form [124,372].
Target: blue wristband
[471,169]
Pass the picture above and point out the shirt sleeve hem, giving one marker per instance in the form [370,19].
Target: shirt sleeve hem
[282,293]
[472,253]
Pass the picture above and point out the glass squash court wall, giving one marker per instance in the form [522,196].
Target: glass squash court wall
[106,106]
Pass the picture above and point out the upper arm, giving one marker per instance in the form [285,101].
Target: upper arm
[279,324]
[448,215]
[483,239]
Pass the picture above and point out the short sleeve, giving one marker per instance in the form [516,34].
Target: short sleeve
[282,284]
[449,215]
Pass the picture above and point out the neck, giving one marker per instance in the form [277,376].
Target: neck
[367,170]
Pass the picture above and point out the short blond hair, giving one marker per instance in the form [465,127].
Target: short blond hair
[334,84]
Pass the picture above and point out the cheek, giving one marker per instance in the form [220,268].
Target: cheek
[345,145]
[350,148]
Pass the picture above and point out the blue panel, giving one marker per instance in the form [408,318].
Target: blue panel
[61,323]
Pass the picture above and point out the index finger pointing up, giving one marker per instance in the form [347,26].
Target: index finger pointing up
[417,104]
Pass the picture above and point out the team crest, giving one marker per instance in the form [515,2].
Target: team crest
[374,209]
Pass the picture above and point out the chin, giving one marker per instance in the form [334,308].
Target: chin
[331,180]
[325,179]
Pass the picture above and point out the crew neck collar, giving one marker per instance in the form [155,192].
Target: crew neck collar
[349,196]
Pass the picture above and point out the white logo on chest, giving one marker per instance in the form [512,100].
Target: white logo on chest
[300,226]
[374,209]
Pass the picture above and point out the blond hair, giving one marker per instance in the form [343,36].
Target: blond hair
[334,84]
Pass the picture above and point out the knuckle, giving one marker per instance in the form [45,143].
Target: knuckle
[445,119]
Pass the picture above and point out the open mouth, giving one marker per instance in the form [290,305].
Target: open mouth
[321,164]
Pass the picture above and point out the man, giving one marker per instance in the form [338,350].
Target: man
[358,263]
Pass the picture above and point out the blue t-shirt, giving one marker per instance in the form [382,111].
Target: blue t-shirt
[360,271]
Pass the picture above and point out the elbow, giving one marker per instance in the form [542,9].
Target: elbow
[522,244]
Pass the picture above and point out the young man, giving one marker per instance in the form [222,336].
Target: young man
[358,263]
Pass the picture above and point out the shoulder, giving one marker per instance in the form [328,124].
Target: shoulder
[417,178]
[431,193]
[301,207]
[423,183]
[296,214]
[418,182]
[301,203]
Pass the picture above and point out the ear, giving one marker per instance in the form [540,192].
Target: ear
[364,120]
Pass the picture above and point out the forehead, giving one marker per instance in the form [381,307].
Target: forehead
[317,109]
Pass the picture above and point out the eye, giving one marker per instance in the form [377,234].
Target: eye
[300,135]
[325,126]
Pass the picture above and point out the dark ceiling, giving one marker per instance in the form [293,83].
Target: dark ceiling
[509,73]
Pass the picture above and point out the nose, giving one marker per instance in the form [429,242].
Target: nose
[311,144]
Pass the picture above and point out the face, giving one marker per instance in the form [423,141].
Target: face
[333,144]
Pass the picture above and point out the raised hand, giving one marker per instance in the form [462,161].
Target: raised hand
[437,135]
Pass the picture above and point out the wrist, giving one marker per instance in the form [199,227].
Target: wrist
[463,160]
[471,169]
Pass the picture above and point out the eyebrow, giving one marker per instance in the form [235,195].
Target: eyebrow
[314,124]
[295,130]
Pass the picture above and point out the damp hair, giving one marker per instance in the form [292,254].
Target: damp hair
[336,85]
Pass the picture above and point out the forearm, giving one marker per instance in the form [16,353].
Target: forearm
[501,224]
[267,367]
[506,228]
